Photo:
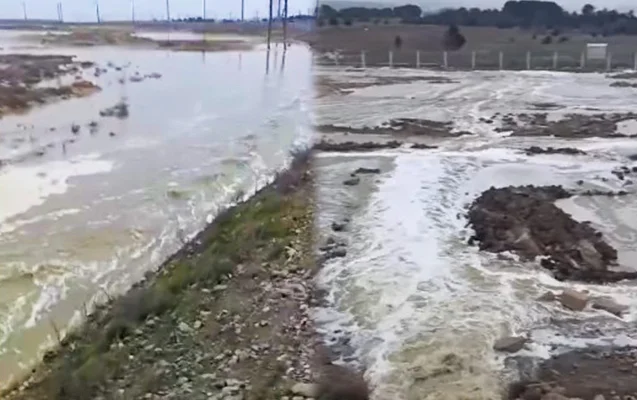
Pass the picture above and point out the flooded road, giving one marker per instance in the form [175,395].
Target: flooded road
[88,213]
[411,301]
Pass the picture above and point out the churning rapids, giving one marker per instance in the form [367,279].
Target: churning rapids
[95,210]
[411,301]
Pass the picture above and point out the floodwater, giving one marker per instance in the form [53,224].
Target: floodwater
[417,306]
[101,207]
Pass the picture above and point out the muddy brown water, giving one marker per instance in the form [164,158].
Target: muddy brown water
[87,213]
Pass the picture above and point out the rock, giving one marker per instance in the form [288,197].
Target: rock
[364,170]
[573,299]
[352,181]
[510,344]
[197,324]
[184,327]
[338,226]
[609,305]
[548,296]
[305,389]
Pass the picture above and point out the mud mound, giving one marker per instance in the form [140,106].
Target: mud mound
[553,150]
[585,374]
[572,126]
[526,221]
[400,126]
[355,146]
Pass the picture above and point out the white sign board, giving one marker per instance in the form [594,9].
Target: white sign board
[596,51]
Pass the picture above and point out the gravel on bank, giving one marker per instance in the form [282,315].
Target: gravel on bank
[223,318]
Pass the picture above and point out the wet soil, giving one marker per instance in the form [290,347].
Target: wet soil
[351,146]
[574,126]
[587,374]
[327,86]
[525,220]
[20,75]
[553,150]
[400,127]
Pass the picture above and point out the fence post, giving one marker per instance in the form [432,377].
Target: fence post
[336,59]
[417,58]
[391,59]
[445,62]
[500,60]
[609,62]
[528,60]
[363,61]
[635,62]
[473,60]
[582,61]
[555,56]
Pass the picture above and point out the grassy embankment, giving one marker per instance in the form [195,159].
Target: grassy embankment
[208,322]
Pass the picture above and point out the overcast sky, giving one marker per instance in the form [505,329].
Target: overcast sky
[84,10]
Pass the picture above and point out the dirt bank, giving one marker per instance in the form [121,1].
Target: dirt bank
[224,318]
[122,36]
[571,151]
[400,127]
[327,86]
[20,75]
[587,374]
[526,221]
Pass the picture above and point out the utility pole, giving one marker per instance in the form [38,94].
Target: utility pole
[132,11]
[285,25]
[269,22]
[278,11]
[24,10]
[61,12]
[168,10]
[243,6]
[204,10]
[97,12]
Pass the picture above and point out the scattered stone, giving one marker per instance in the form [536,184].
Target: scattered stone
[548,296]
[338,226]
[352,181]
[75,128]
[510,344]
[184,327]
[573,299]
[609,305]
[364,170]
[305,389]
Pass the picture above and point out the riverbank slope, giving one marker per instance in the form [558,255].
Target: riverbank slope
[224,317]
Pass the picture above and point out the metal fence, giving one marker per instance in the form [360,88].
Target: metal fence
[481,60]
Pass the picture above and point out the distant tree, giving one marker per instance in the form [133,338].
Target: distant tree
[588,10]
[320,22]
[547,40]
[348,22]
[398,42]
[453,39]
[333,21]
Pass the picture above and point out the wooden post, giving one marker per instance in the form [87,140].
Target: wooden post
[528,60]
[336,59]
[635,62]
[500,60]
[363,62]
[445,60]
[555,56]
[418,58]
[391,59]
[582,61]
[609,62]
[473,60]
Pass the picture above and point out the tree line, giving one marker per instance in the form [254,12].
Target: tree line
[526,14]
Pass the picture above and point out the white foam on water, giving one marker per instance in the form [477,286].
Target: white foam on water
[27,187]
[423,308]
